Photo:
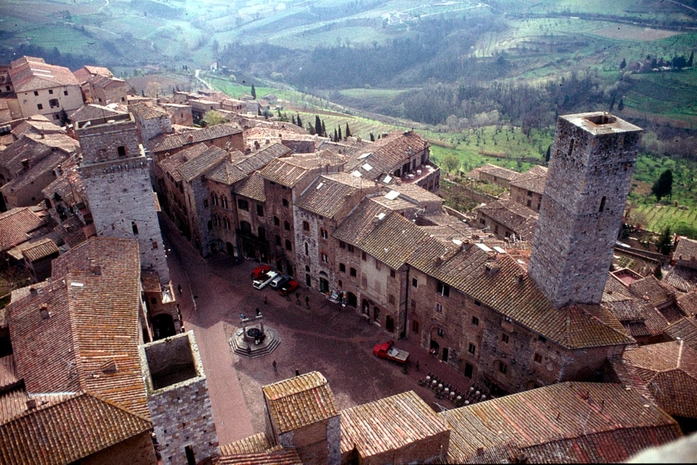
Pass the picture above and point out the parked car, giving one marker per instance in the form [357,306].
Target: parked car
[288,287]
[260,271]
[264,281]
[388,351]
[279,281]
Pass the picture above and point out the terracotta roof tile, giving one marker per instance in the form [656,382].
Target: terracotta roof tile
[172,163]
[331,193]
[92,112]
[685,330]
[202,163]
[8,375]
[688,303]
[35,74]
[279,457]
[40,249]
[17,226]
[686,249]
[669,370]
[392,240]
[533,180]
[388,153]
[69,186]
[176,141]
[512,215]
[252,187]
[682,278]
[300,401]
[651,290]
[498,171]
[607,420]
[360,222]
[67,431]
[227,172]
[388,424]
[256,443]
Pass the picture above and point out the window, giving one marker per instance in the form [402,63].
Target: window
[439,308]
[289,246]
[53,103]
[121,151]
[342,267]
[214,199]
[538,358]
[260,210]
[376,314]
[350,248]
[602,205]
[342,244]
[443,289]
[542,339]
[441,333]
[286,226]
[154,244]
[392,273]
[323,233]
[205,203]
[306,226]
[223,201]
[503,368]
[278,240]
[377,264]
[477,303]
[352,272]
[325,258]
[243,204]
[276,221]
[134,227]
[504,338]
[65,92]
[414,282]
[307,249]
[391,299]
[472,349]
[364,257]
[285,202]
[39,106]
[36,93]
[475,321]
[415,327]
[261,232]
[245,227]
[50,91]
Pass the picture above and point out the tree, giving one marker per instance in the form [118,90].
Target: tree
[254,92]
[663,187]
[336,137]
[450,162]
[63,115]
[664,243]
[620,106]
[318,126]
[689,61]
[298,121]
[372,137]
[348,131]
[212,117]
[548,154]
[623,63]
[339,134]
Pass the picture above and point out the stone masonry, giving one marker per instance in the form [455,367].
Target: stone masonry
[592,161]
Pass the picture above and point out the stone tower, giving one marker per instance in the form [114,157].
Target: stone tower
[116,175]
[593,157]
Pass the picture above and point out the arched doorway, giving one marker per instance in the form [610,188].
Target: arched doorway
[230,249]
[389,323]
[365,307]
[163,326]
[352,300]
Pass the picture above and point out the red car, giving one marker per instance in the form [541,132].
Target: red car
[260,271]
[388,351]
[288,287]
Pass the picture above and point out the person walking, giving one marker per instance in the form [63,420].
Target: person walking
[179,288]
[297,372]
[275,369]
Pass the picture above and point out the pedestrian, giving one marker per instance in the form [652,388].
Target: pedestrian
[307,301]
[258,311]
[274,366]
[417,365]
[297,372]
[179,288]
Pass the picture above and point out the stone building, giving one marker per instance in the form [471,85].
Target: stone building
[529,187]
[224,136]
[178,400]
[100,86]
[592,161]
[494,175]
[507,219]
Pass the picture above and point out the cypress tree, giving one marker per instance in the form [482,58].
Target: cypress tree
[254,92]
[336,138]
[318,125]
[340,138]
[348,131]
[372,137]
[689,62]
[620,106]
[324,129]
[292,119]
[300,122]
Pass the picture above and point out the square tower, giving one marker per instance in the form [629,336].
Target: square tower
[116,175]
[593,157]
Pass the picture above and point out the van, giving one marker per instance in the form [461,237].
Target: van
[264,281]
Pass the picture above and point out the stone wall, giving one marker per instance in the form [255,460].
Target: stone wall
[137,450]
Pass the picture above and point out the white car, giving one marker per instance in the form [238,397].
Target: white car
[262,282]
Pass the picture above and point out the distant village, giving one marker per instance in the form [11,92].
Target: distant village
[576,363]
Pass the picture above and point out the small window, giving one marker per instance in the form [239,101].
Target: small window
[121,150]
[441,333]
[153,301]
[260,210]
[307,249]
[242,204]
[352,272]
[134,227]
[289,246]
[393,273]
[342,244]
[538,358]
[439,308]
[323,233]
[477,303]
[286,226]
[504,338]
[602,205]
[306,226]
[39,106]
[205,203]
[342,267]
[377,264]
[50,91]
[414,282]
[542,339]
[285,202]
[278,240]
[154,245]
[475,321]
[415,327]
[276,221]
[65,92]
[53,103]
[36,93]
[325,258]
[503,368]
[391,299]
[364,257]
[472,349]
[443,289]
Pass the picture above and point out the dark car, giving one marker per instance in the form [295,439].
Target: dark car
[279,281]
[260,271]
[288,287]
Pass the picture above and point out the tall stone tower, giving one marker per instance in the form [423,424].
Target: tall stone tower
[117,182]
[589,175]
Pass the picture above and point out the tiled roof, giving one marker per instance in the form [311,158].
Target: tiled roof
[498,171]
[278,457]
[651,290]
[300,401]
[86,72]
[35,147]
[40,249]
[17,225]
[148,110]
[393,239]
[566,422]
[32,74]
[360,222]
[669,370]
[532,180]
[8,376]
[682,278]
[69,186]
[36,170]
[688,303]
[328,194]
[389,153]
[226,172]
[101,274]
[37,124]
[175,141]
[686,249]
[252,187]
[389,424]
[202,163]
[260,158]
[67,431]
[685,330]
[93,111]
[415,193]
[172,163]
[12,403]
[285,171]
[256,443]
[513,216]
[499,288]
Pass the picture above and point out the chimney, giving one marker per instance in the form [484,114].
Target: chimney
[31,404]
[519,278]
[43,310]
[25,164]
[480,451]
[33,291]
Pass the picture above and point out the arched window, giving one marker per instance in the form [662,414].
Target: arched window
[602,205]
[261,233]
[121,150]
[286,226]
[214,198]
[134,226]
[306,226]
